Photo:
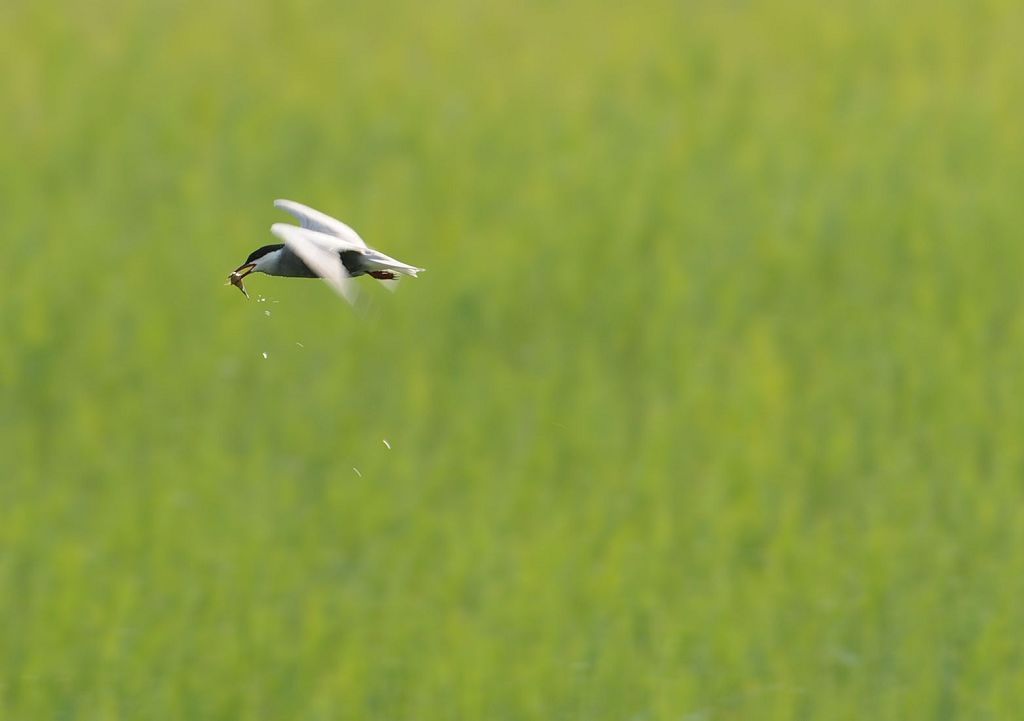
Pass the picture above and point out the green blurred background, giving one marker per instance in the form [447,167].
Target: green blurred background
[708,407]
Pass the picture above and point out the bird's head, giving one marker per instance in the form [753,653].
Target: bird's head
[251,264]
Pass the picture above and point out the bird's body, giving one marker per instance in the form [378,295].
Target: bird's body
[279,259]
[323,247]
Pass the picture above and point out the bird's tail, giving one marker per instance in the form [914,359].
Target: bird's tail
[384,267]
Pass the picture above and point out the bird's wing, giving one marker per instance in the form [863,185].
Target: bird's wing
[322,260]
[321,240]
[321,222]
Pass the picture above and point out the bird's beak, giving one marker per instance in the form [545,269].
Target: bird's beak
[240,272]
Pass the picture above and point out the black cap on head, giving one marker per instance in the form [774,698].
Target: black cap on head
[260,252]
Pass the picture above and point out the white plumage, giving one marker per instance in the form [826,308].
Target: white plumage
[324,247]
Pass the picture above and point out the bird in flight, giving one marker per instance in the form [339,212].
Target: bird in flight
[320,247]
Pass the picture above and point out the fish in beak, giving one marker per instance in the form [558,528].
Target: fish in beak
[238,274]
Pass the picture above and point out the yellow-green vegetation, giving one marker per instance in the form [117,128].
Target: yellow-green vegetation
[709,406]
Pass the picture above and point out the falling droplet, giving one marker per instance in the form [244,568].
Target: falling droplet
[266,313]
[357,471]
[265,355]
[387,444]
[299,344]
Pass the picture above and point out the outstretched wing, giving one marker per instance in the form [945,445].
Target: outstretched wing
[320,253]
[321,240]
[320,222]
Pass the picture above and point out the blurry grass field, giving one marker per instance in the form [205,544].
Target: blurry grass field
[708,407]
